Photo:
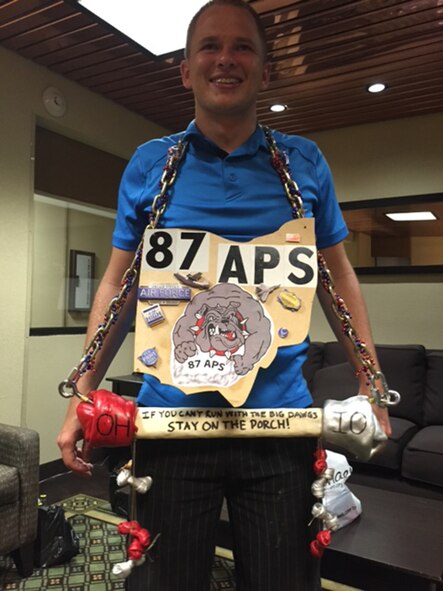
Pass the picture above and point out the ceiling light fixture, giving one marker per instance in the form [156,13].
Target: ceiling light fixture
[376,87]
[411,216]
[144,22]
[278,108]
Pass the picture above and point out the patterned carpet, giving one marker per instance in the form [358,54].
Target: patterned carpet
[100,548]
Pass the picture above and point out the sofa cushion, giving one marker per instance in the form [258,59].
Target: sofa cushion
[333,353]
[313,363]
[433,408]
[423,456]
[404,367]
[391,455]
[9,485]
[335,382]
[10,520]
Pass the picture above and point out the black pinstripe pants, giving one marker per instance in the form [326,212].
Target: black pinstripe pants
[266,483]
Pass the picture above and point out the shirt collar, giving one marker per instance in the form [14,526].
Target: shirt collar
[255,142]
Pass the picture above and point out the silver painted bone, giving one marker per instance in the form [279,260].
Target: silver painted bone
[351,424]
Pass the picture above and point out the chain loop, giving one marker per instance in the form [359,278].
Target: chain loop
[68,389]
[382,397]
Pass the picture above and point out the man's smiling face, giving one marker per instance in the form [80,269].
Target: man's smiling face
[226,66]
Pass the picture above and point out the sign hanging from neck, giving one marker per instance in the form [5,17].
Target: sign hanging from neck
[211,312]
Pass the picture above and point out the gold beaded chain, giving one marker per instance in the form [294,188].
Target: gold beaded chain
[382,396]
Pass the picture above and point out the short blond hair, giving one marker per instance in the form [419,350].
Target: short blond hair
[236,3]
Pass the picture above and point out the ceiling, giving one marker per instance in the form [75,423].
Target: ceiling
[324,53]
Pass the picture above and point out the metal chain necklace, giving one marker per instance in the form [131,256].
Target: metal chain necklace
[381,396]
[68,387]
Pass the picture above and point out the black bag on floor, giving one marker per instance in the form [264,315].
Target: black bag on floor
[56,541]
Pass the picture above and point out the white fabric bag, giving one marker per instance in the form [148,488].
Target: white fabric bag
[338,499]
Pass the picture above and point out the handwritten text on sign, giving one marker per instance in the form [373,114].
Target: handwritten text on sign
[221,422]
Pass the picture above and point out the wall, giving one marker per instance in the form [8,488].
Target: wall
[426,248]
[358,249]
[31,368]
[48,281]
[391,159]
[388,159]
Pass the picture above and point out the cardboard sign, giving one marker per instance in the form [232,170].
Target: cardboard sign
[211,312]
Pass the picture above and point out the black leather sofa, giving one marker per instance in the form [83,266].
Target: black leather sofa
[412,460]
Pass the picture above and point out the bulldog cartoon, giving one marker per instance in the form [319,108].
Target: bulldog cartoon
[223,330]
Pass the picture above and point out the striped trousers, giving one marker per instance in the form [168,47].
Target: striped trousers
[266,483]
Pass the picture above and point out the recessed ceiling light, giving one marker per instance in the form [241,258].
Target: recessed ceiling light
[411,216]
[376,87]
[144,22]
[278,108]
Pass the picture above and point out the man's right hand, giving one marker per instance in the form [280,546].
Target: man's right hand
[75,458]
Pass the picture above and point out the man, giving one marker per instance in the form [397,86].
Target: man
[226,185]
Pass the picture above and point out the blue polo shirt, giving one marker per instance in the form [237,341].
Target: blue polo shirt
[238,196]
